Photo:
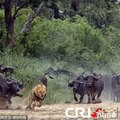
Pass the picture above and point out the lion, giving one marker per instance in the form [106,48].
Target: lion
[36,97]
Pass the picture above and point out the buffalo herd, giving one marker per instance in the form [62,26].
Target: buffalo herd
[92,85]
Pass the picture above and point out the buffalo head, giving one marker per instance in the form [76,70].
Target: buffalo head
[92,78]
[116,79]
[49,70]
[14,84]
[113,73]
[8,69]
[70,84]
[75,84]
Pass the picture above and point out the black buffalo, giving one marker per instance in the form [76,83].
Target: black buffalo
[79,87]
[42,78]
[9,88]
[116,86]
[107,86]
[57,72]
[51,70]
[94,86]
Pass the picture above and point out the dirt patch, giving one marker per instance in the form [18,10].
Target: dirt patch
[57,111]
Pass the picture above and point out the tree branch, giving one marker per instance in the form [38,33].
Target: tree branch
[18,16]
[15,5]
[30,19]
[16,11]
[107,3]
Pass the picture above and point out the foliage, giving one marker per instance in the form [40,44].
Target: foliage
[57,89]
[76,43]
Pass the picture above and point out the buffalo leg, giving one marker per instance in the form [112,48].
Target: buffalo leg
[98,98]
[93,97]
[20,95]
[112,94]
[75,98]
[114,97]
[117,96]
[81,98]
[6,96]
[89,96]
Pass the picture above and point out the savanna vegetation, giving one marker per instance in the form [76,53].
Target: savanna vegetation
[74,35]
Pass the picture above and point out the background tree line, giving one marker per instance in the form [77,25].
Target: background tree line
[85,34]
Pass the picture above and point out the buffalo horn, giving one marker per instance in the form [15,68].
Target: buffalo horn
[51,77]
[83,75]
[69,81]
[114,74]
[97,77]
[80,81]
[46,73]
[112,71]
[1,65]
[9,82]
[22,82]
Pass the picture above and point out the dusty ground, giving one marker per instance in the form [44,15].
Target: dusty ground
[57,111]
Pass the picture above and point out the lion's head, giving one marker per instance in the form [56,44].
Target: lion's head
[40,91]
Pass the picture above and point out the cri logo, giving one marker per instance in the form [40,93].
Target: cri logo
[98,113]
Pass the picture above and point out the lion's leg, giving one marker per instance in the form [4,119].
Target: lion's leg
[30,101]
[40,103]
[34,104]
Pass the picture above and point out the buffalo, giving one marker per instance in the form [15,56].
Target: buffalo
[58,72]
[107,86]
[79,87]
[9,88]
[94,86]
[43,79]
[51,70]
[116,86]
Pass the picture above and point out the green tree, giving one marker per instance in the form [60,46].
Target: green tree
[10,18]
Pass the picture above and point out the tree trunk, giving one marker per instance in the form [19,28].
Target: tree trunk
[56,11]
[9,21]
[74,6]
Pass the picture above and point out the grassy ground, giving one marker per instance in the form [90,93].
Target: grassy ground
[57,89]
